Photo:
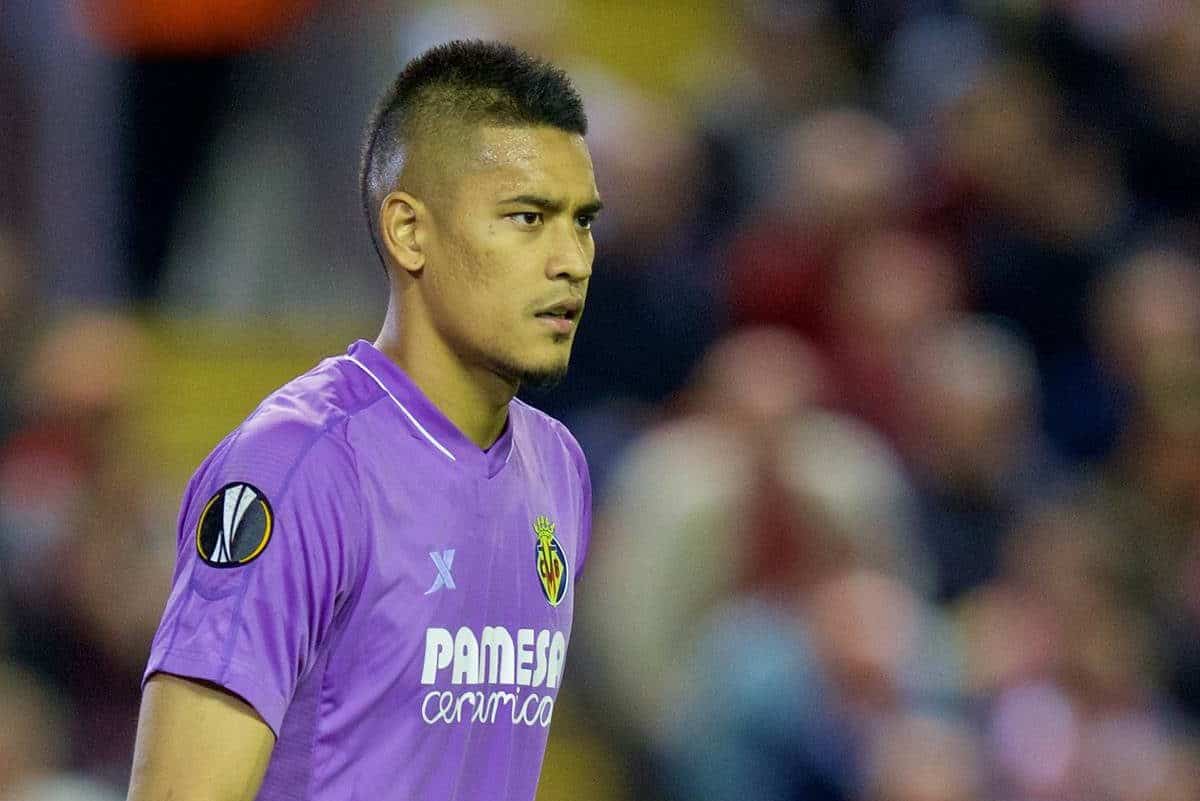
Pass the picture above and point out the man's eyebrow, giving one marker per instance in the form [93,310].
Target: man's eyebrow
[551,206]
[590,209]
[537,201]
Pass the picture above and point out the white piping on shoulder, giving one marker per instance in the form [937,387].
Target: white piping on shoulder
[420,429]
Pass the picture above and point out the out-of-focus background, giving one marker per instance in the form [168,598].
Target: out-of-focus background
[889,377]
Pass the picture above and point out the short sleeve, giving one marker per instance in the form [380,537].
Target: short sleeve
[267,556]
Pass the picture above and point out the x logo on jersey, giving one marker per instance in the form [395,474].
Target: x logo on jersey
[442,561]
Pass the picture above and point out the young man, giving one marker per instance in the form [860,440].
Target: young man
[374,586]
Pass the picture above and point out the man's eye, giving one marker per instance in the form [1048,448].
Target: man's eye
[528,218]
[585,221]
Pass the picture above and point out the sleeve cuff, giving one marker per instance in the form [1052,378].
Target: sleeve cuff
[233,677]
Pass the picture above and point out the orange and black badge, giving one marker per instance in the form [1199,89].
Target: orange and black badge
[550,560]
[235,526]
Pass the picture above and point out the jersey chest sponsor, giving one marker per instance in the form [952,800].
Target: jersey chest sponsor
[494,676]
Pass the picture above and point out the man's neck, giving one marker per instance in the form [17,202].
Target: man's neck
[473,399]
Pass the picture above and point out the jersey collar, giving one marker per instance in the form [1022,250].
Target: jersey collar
[425,419]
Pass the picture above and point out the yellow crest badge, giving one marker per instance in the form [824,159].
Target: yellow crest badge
[550,560]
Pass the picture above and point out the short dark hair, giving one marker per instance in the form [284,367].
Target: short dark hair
[465,82]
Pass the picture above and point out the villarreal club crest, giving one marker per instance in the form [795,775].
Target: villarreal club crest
[551,561]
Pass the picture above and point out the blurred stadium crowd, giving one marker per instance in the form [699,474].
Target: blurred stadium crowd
[889,377]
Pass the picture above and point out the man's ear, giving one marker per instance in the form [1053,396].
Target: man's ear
[402,223]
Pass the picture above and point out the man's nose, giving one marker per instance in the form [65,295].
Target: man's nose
[571,259]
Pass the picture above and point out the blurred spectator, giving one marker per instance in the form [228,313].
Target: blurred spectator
[1067,671]
[756,380]
[924,758]
[1163,131]
[853,499]
[79,377]
[177,72]
[1147,326]
[668,551]
[972,438]
[784,702]
[766,496]
[78,528]
[691,514]
[841,174]
[135,26]
[64,142]
[889,289]
[791,59]
[1147,323]
[1040,208]
[34,745]
[930,62]
[729,389]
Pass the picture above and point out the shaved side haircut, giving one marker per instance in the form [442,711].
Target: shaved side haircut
[439,98]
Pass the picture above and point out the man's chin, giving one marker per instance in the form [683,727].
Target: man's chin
[537,377]
[543,378]
[537,368]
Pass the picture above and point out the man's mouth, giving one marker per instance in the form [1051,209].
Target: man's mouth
[562,315]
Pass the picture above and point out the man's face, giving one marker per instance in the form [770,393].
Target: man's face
[510,252]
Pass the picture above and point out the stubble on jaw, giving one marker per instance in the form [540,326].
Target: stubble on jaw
[545,379]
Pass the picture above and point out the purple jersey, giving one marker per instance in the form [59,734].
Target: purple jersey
[393,601]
